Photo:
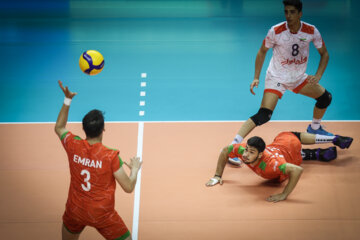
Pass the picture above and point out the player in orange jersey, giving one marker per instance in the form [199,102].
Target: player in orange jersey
[281,159]
[93,169]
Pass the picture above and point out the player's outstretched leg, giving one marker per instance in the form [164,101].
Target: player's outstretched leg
[261,117]
[264,114]
[326,154]
[321,154]
[342,142]
[337,140]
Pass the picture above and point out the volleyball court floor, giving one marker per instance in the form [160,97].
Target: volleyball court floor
[199,70]
[178,159]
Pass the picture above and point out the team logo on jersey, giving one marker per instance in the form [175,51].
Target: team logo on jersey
[303,39]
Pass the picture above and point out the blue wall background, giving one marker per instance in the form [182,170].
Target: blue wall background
[199,57]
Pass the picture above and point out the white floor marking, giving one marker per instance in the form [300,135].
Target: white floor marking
[135,226]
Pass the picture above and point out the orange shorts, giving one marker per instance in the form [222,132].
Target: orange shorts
[290,146]
[111,227]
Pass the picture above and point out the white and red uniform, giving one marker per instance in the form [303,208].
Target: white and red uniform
[290,57]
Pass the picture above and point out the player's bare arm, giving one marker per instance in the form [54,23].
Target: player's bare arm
[63,115]
[294,173]
[126,182]
[324,59]
[260,58]
[223,157]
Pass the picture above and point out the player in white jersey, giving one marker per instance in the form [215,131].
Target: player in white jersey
[290,56]
[290,42]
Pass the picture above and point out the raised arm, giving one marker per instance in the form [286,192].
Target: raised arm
[294,173]
[63,114]
[126,182]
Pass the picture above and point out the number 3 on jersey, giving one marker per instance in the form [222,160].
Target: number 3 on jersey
[86,180]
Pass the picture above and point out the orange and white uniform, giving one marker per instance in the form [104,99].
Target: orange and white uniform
[286,148]
[287,67]
[91,198]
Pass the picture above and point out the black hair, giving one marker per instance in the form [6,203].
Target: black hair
[256,142]
[296,3]
[93,123]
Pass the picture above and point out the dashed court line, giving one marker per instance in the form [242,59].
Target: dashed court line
[142,93]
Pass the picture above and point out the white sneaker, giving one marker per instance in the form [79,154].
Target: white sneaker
[236,161]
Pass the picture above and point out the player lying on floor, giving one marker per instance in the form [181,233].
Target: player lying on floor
[281,159]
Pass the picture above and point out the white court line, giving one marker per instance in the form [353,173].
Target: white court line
[135,226]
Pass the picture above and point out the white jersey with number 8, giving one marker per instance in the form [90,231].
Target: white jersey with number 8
[290,51]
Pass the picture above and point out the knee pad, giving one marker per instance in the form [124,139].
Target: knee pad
[324,100]
[262,116]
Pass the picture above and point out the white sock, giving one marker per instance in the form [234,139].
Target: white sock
[315,124]
[323,138]
[237,139]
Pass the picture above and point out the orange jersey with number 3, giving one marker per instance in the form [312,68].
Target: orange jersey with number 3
[92,186]
[286,148]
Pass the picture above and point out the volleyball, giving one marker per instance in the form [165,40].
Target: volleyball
[91,62]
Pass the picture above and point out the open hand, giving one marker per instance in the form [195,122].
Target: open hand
[213,181]
[313,79]
[276,198]
[67,92]
[134,163]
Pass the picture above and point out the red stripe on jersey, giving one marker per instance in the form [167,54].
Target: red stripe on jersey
[307,29]
[280,29]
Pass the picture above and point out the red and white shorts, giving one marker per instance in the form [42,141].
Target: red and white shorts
[273,85]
